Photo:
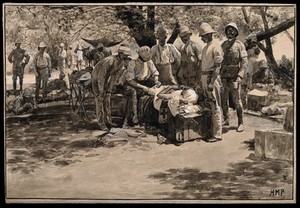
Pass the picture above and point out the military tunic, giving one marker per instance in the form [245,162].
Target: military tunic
[19,58]
[104,76]
[212,55]
[167,61]
[189,70]
[233,66]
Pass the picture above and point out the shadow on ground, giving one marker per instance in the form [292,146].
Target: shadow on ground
[250,179]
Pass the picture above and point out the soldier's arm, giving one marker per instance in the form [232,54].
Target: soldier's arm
[177,56]
[10,56]
[49,62]
[27,57]
[218,58]
[244,60]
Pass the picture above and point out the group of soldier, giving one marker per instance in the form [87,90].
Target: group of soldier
[217,71]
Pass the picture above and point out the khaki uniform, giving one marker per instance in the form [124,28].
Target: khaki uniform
[189,70]
[138,72]
[233,66]
[212,54]
[167,61]
[42,66]
[19,58]
[104,76]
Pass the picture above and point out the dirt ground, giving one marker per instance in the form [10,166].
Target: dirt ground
[56,156]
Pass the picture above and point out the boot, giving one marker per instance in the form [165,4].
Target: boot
[21,84]
[15,87]
[135,119]
[240,128]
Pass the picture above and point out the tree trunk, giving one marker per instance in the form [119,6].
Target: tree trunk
[151,25]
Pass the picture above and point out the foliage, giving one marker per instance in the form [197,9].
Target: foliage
[68,23]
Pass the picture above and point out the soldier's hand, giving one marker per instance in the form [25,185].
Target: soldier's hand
[151,91]
[158,84]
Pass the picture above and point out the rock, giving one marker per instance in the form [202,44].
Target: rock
[276,144]
[257,99]
[289,119]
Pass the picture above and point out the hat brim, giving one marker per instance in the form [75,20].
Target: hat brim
[207,33]
[185,34]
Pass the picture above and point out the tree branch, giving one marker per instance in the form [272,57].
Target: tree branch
[246,17]
[289,36]
[263,17]
[262,47]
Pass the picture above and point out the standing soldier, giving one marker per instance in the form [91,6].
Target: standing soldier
[212,56]
[19,58]
[104,76]
[190,59]
[233,66]
[166,58]
[62,60]
[70,59]
[42,69]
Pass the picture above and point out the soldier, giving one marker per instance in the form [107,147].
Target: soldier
[166,58]
[101,52]
[104,77]
[62,59]
[42,69]
[233,66]
[19,58]
[25,102]
[140,76]
[79,56]
[190,51]
[212,56]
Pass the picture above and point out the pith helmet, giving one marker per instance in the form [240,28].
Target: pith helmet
[184,31]
[124,49]
[205,28]
[232,24]
[145,53]
[263,64]
[161,32]
[42,45]
[19,40]
[27,92]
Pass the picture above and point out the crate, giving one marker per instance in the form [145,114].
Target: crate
[190,127]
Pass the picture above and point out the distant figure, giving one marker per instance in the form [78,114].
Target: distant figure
[263,75]
[79,56]
[23,103]
[70,59]
[166,58]
[19,58]
[42,69]
[191,52]
[62,58]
